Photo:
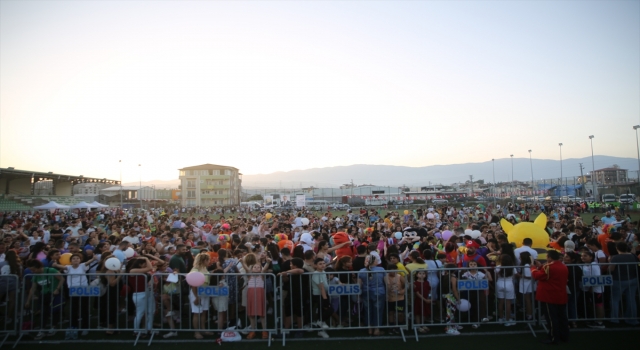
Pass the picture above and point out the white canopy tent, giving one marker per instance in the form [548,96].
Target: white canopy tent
[51,205]
[83,205]
[98,205]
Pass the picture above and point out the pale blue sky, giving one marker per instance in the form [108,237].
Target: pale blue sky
[268,86]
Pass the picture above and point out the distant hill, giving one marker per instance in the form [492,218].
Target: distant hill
[389,175]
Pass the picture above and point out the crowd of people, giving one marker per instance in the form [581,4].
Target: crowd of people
[407,264]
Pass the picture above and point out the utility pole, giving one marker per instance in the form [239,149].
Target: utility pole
[471,180]
[582,178]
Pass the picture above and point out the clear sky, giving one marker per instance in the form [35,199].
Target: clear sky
[273,86]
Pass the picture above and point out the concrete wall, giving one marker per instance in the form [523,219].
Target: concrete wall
[3,185]
[64,188]
[20,186]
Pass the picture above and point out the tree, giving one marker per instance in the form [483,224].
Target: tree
[256,197]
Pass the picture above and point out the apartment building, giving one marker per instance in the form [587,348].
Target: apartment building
[209,185]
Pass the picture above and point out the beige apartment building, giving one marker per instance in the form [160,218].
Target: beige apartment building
[209,185]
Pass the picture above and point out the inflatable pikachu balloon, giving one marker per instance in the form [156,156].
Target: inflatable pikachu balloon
[534,230]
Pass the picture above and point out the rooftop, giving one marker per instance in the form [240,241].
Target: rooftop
[76,179]
[207,167]
[610,169]
[124,188]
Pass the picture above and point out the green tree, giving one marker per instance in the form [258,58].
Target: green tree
[256,197]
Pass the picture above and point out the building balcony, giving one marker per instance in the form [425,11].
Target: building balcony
[214,196]
[214,187]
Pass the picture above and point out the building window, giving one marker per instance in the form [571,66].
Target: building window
[182,173]
[191,183]
[215,172]
[227,172]
[191,194]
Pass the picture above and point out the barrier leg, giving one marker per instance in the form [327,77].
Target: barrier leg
[4,340]
[18,340]
[403,337]
[531,329]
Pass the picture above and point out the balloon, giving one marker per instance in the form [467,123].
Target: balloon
[446,235]
[430,216]
[305,221]
[406,212]
[195,279]
[268,216]
[398,235]
[65,259]
[534,230]
[464,305]
[337,219]
[112,264]
[226,227]
[468,232]
[416,245]
[475,234]
[129,253]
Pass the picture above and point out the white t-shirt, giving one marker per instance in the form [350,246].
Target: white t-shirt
[522,249]
[74,230]
[132,240]
[33,241]
[307,241]
[592,270]
[77,276]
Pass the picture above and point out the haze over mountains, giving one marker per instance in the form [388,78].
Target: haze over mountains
[389,175]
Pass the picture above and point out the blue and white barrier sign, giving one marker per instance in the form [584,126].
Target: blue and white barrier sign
[597,281]
[84,291]
[213,291]
[473,284]
[344,289]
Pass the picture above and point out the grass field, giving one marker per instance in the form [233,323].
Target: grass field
[523,340]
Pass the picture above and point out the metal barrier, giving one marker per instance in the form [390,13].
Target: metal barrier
[472,296]
[226,300]
[9,288]
[378,299]
[54,301]
[373,300]
[603,292]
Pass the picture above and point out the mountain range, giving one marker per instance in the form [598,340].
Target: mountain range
[389,175]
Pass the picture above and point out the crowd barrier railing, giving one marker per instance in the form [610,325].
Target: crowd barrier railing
[355,300]
[244,301]
[9,293]
[164,304]
[600,292]
[77,305]
[466,296]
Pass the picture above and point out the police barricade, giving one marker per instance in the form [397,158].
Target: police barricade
[241,301]
[602,292]
[368,300]
[472,296]
[9,293]
[70,306]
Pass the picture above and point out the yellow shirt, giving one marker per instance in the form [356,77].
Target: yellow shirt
[415,266]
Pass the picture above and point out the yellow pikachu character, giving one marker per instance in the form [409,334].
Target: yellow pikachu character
[534,230]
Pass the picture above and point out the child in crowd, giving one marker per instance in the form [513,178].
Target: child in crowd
[421,301]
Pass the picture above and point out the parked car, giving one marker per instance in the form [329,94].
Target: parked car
[439,201]
[627,198]
[608,198]
[552,199]
[589,199]
[566,199]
